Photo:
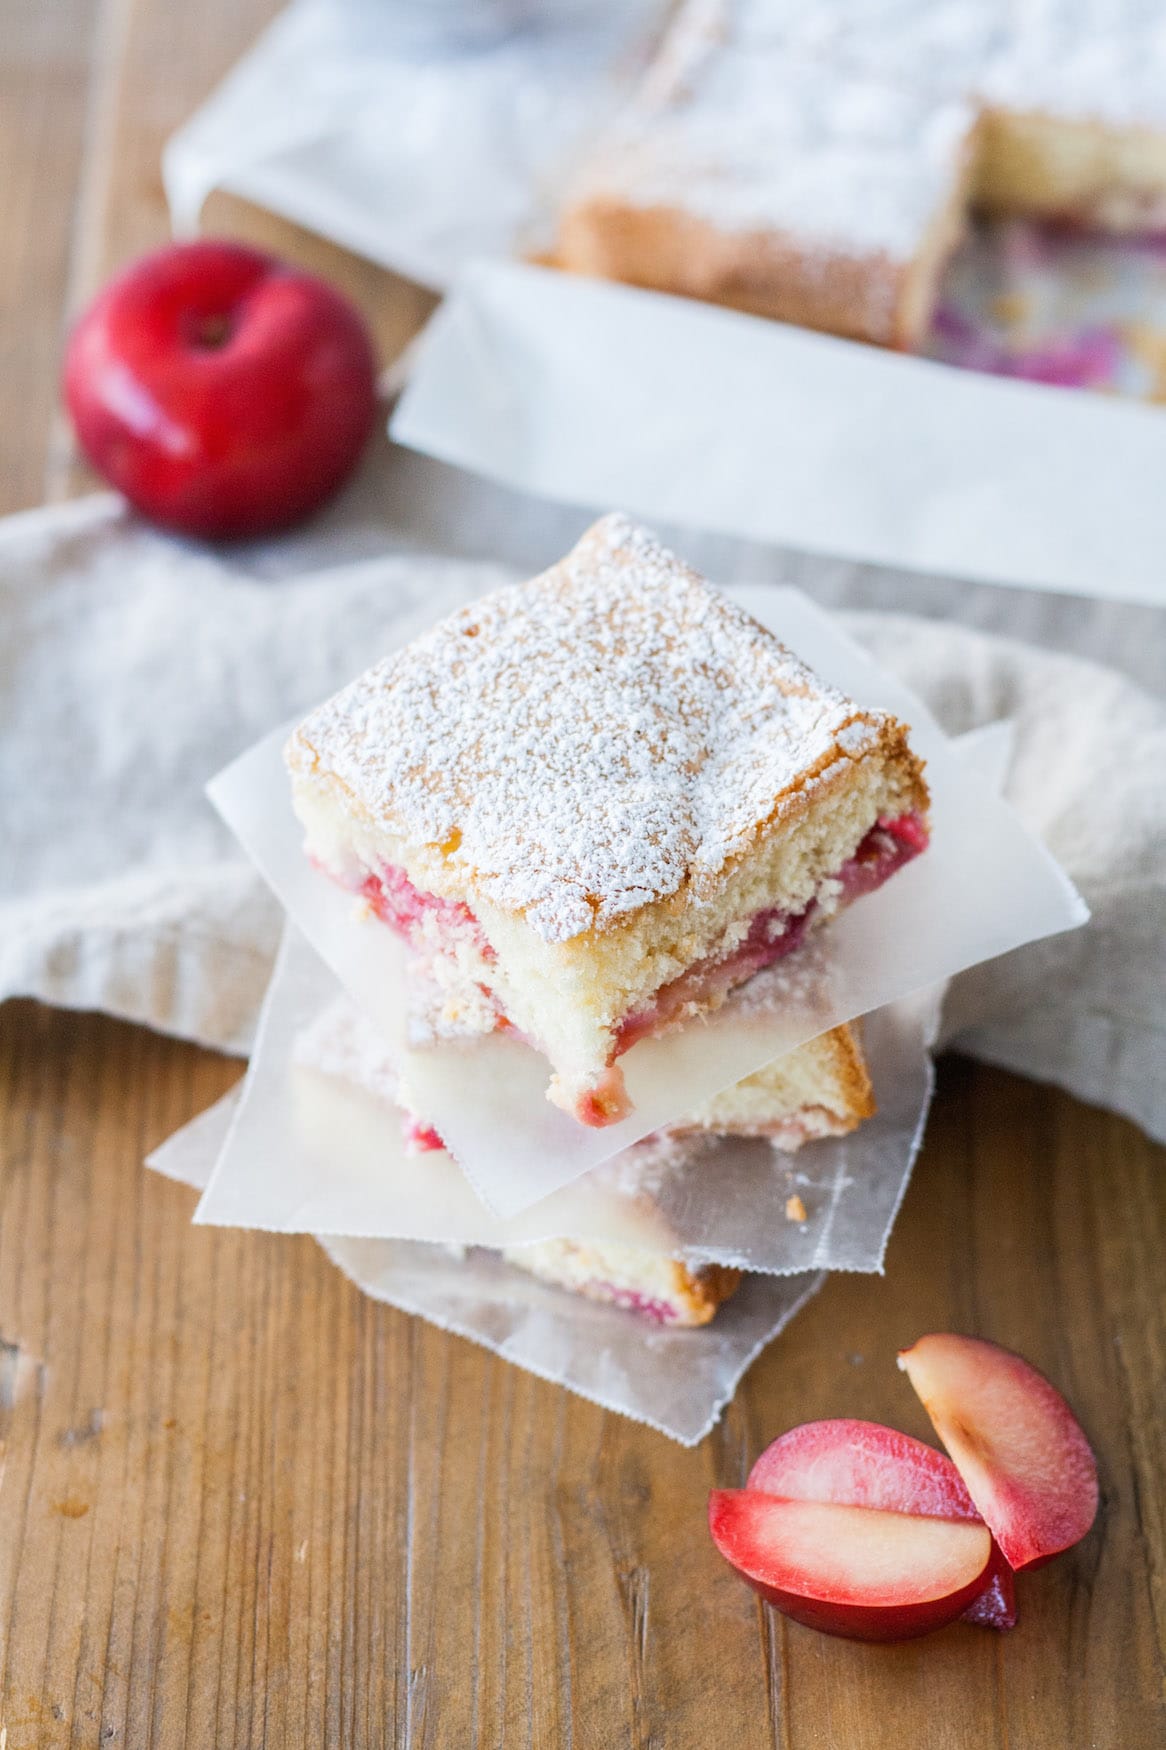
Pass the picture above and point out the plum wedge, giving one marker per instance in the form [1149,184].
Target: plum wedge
[853,1571]
[862,1464]
[1014,1440]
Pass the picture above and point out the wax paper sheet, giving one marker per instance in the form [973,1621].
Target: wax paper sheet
[677,1381]
[318,1151]
[592,393]
[986,885]
[414,134]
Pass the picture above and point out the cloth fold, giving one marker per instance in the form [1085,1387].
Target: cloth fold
[134,666]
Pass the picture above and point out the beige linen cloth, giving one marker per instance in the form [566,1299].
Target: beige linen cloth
[134,666]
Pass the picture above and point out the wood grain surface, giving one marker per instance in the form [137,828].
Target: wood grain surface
[240,1505]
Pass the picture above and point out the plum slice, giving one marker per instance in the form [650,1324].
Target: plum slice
[853,1571]
[862,1464]
[1014,1440]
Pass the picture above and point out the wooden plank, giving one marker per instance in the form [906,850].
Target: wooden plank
[243,1505]
[45,58]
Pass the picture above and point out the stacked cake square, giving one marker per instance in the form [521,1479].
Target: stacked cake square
[594,806]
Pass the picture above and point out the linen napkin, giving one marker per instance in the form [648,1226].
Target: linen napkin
[135,665]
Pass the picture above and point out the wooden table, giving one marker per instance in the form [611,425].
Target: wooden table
[241,1505]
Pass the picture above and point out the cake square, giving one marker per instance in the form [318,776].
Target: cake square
[817,165]
[603,798]
[821,1089]
[342,1045]
[752,173]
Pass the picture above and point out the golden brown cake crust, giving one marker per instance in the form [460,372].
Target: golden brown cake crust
[817,163]
[702,1291]
[761,273]
[849,1065]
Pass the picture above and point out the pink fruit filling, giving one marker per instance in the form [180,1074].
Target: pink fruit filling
[658,1312]
[773,934]
[420,1139]
[605,1102]
[887,846]
[405,908]
[787,1133]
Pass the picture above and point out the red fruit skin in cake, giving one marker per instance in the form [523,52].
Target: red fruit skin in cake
[883,852]
[404,907]
[862,1464]
[656,1312]
[771,936]
[774,934]
[420,1139]
[605,1103]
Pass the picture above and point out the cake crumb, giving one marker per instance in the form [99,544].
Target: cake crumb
[795,1209]
[1013,309]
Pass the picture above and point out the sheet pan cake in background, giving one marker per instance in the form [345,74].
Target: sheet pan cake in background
[822,1089]
[605,798]
[817,164]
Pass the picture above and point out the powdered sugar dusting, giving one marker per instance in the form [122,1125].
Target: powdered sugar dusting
[589,741]
[740,129]
[844,124]
[1074,59]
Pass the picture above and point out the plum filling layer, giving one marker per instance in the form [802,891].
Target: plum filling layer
[771,935]
[657,1312]
[405,908]
[774,934]
[420,1139]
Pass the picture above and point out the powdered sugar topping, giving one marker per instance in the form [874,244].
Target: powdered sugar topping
[741,129]
[845,123]
[584,743]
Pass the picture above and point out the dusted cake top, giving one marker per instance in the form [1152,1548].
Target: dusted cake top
[847,123]
[755,139]
[581,744]
[1066,58]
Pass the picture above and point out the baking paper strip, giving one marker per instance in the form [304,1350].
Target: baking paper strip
[985,885]
[598,394]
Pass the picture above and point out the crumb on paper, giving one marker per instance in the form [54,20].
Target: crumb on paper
[795,1209]
[1011,308]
